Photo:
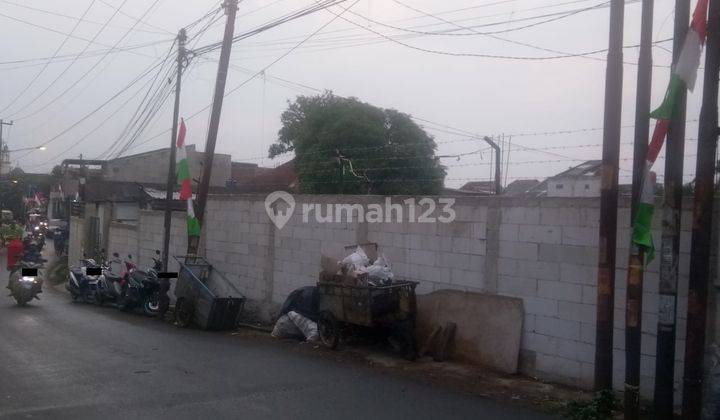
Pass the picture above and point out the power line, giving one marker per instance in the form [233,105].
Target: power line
[78,20]
[87,54]
[110,5]
[552,17]
[47,63]
[58,32]
[102,58]
[97,109]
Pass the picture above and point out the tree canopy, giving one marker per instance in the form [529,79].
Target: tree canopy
[345,146]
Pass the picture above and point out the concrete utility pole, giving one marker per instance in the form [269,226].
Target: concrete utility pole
[231,10]
[609,200]
[2,123]
[700,248]
[498,164]
[172,177]
[633,311]
[670,241]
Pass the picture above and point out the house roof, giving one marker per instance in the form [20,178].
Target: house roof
[480,187]
[284,177]
[590,168]
[100,190]
[522,188]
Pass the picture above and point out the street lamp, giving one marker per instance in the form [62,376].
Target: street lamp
[28,148]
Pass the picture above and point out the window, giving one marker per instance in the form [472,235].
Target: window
[587,186]
[559,186]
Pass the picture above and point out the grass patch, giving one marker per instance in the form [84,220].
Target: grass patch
[599,408]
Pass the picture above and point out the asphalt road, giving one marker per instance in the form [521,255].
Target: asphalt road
[66,360]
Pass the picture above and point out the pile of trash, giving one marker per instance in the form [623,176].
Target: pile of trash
[294,325]
[298,315]
[357,265]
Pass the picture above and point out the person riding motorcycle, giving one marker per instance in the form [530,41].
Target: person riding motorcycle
[15,250]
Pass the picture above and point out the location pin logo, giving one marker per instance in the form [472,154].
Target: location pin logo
[279,216]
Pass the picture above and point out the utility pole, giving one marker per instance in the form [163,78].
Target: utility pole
[231,10]
[172,177]
[670,241]
[2,123]
[609,200]
[498,164]
[633,311]
[700,247]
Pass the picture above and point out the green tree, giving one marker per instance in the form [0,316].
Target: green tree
[345,146]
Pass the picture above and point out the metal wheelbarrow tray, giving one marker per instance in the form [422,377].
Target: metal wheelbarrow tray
[205,297]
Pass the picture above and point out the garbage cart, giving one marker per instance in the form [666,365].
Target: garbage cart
[391,308]
[205,297]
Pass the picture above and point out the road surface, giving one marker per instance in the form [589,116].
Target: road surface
[66,360]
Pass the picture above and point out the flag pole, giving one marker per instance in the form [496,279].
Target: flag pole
[633,307]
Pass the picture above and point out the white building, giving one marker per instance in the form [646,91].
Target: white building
[581,181]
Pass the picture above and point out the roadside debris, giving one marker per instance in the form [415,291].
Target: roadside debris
[294,325]
[439,342]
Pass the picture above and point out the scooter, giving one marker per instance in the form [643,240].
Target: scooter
[27,283]
[80,284]
[109,286]
[140,289]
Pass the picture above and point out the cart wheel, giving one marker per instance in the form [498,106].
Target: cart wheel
[183,313]
[329,331]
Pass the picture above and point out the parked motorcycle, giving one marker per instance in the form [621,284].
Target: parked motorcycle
[140,289]
[110,285]
[26,283]
[83,279]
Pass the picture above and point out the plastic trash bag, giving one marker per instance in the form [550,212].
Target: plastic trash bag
[307,326]
[353,262]
[285,328]
[379,273]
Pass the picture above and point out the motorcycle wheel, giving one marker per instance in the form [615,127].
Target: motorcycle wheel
[21,298]
[151,304]
[183,313]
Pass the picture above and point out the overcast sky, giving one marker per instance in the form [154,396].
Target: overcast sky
[464,90]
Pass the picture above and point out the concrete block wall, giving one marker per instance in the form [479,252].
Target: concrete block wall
[123,239]
[76,239]
[543,251]
[150,238]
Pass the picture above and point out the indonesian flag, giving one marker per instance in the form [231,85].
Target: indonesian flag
[184,180]
[683,77]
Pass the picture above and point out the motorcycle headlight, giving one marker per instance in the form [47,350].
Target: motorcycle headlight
[28,279]
[37,228]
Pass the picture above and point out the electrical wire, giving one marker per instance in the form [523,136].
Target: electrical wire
[47,63]
[60,32]
[87,54]
[79,20]
[77,81]
[110,5]
[96,110]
